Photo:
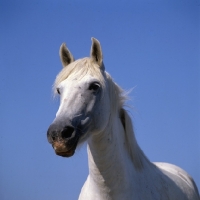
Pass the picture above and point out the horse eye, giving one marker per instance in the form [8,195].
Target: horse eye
[58,90]
[94,86]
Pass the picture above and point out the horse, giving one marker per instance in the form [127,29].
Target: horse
[92,109]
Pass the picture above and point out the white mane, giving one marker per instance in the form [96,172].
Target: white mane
[118,97]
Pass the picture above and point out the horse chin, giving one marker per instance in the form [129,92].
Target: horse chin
[66,154]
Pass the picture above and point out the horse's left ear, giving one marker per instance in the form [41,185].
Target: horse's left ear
[96,53]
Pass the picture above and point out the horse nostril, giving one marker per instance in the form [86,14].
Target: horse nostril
[67,132]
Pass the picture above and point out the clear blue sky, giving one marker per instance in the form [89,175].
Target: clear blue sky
[150,45]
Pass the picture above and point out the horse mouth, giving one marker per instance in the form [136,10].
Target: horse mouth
[61,149]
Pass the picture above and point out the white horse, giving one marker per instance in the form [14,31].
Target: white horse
[91,108]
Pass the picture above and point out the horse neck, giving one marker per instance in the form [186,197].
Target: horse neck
[110,165]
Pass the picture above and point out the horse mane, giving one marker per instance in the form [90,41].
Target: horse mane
[118,97]
[137,155]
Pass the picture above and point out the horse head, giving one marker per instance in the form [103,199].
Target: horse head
[83,101]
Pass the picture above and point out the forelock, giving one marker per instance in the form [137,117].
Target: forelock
[78,69]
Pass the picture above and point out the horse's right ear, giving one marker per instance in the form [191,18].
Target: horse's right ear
[65,55]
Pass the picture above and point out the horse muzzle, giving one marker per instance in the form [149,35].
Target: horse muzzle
[63,140]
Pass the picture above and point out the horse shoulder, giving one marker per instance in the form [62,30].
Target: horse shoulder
[178,181]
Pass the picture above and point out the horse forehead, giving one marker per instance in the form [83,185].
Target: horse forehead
[76,81]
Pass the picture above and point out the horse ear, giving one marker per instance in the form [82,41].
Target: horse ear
[96,53]
[65,55]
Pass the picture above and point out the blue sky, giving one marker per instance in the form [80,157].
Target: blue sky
[149,45]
